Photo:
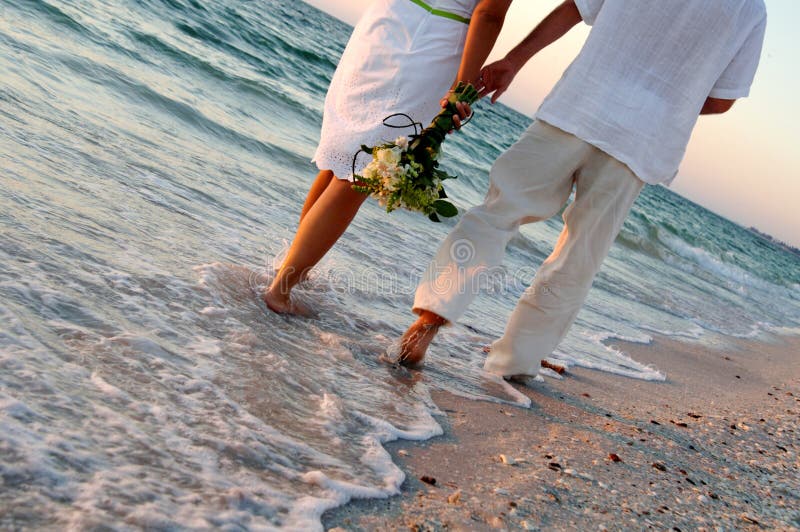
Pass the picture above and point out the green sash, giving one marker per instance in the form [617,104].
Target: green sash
[440,12]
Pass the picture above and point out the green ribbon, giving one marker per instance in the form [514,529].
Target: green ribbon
[440,12]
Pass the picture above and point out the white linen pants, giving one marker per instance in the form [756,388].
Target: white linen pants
[528,183]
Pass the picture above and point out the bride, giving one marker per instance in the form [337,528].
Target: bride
[401,58]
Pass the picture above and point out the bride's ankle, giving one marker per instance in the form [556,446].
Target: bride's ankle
[274,295]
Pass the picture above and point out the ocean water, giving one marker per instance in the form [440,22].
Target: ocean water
[155,154]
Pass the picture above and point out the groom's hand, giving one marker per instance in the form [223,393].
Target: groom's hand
[464,112]
[496,78]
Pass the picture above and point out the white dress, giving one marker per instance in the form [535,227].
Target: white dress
[400,59]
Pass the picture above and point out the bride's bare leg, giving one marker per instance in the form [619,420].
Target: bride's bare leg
[418,337]
[319,185]
[319,229]
[317,188]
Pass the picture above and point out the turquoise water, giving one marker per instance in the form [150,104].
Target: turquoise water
[155,155]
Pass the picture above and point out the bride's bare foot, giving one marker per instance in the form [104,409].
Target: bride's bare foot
[418,337]
[284,304]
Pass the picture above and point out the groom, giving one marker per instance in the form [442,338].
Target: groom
[620,117]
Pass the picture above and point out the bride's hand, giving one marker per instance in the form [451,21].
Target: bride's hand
[496,78]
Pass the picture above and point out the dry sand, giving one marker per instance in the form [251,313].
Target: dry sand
[715,446]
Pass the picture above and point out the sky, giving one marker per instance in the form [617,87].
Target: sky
[744,165]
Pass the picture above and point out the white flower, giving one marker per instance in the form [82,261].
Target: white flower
[397,154]
[370,172]
[389,156]
[394,183]
[381,168]
[402,143]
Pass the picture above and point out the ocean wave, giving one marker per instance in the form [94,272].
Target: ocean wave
[734,276]
[665,241]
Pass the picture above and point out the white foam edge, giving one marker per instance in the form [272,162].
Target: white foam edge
[780,329]
[519,399]
[629,367]
[306,513]
[547,372]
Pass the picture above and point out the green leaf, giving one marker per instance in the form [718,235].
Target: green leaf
[445,208]
[441,174]
[432,217]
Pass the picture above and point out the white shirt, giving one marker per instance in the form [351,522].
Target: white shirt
[636,89]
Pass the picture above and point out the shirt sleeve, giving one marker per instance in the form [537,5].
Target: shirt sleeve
[738,76]
[589,9]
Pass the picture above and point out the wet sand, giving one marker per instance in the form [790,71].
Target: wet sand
[716,445]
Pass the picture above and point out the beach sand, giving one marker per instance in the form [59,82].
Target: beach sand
[715,445]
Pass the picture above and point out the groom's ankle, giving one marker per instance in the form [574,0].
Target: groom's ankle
[427,317]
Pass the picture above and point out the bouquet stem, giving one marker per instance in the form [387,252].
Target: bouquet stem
[442,124]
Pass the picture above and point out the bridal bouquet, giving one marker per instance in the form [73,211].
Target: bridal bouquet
[405,173]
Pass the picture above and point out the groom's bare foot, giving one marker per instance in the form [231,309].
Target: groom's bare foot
[418,337]
[555,367]
[284,304]
[544,363]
